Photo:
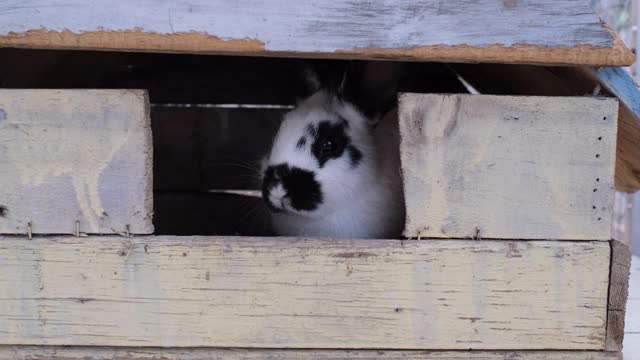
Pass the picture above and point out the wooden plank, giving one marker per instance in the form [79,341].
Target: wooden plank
[177,149]
[186,78]
[622,85]
[481,166]
[618,293]
[550,32]
[211,148]
[303,293]
[234,141]
[196,213]
[75,156]
[169,78]
[98,353]
[563,81]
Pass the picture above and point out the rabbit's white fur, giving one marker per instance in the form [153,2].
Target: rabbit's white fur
[365,201]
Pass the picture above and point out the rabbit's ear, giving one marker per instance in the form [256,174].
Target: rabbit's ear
[315,75]
[305,82]
[371,87]
[311,78]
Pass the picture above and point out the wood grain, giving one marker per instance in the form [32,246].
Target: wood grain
[100,353]
[564,81]
[303,293]
[622,85]
[618,293]
[75,156]
[481,166]
[551,32]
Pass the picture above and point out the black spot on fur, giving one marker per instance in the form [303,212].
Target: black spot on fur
[301,187]
[301,143]
[328,132]
[311,130]
[344,122]
[3,211]
[355,155]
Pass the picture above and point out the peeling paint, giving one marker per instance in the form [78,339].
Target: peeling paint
[535,32]
[138,40]
[83,152]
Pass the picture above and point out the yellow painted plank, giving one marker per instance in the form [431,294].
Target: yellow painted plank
[303,293]
[505,167]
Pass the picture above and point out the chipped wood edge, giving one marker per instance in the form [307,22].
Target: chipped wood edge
[148,161]
[618,293]
[128,353]
[200,43]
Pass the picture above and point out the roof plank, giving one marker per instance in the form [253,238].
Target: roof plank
[540,32]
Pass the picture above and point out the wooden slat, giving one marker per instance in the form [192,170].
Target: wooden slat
[620,83]
[75,156]
[628,153]
[211,148]
[480,166]
[563,81]
[93,353]
[555,32]
[169,78]
[182,213]
[303,293]
[186,78]
[618,293]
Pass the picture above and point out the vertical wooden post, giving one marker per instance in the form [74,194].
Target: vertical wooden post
[618,292]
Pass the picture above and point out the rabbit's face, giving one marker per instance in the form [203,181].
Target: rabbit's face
[319,158]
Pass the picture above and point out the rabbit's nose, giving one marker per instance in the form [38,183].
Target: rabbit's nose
[277,198]
[291,188]
[273,191]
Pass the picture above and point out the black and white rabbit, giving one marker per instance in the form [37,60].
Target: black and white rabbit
[334,167]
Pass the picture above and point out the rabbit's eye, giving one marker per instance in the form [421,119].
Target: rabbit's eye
[329,142]
[328,147]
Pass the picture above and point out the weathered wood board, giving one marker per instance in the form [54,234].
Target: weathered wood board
[99,353]
[618,294]
[556,32]
[505,167]
[70,156]
[500,79]
[622,85]
[303,293]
